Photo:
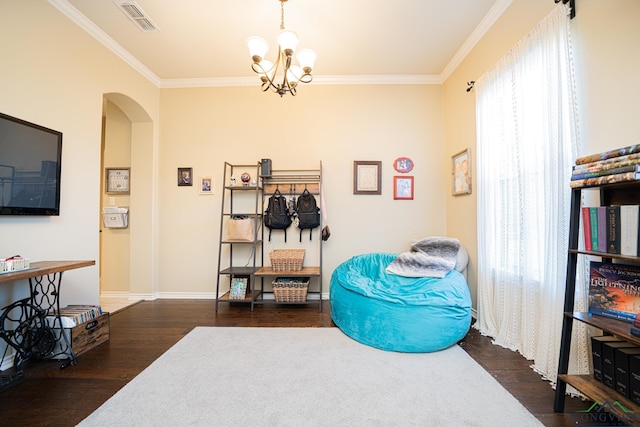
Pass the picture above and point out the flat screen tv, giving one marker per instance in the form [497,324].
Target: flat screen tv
[30,169]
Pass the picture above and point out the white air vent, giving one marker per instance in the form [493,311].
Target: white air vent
[137,15]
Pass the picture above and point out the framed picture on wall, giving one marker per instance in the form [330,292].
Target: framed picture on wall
[118,180]
[367,177]
[403,164]
[403,187]
[185,177]
[205,185]
[461,173]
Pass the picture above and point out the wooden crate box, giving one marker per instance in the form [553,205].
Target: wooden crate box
[85,336]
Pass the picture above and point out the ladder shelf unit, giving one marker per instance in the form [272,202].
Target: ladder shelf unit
[623,193]
[239,258]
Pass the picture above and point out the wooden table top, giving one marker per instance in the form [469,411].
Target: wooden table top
[41,268]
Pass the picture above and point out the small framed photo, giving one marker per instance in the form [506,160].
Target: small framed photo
[117,180]
[367,178]
[403,164]
[205,185]
[185,177]
[403,187]
[461,173]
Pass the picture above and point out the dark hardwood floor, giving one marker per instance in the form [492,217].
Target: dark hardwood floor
[50,396]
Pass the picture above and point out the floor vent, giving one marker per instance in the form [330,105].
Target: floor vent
[137,15]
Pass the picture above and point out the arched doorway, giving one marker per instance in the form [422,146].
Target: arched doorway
[127,254]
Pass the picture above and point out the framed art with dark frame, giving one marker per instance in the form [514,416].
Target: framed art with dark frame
[185,177]
[461,173]
[403,187]
[367,177]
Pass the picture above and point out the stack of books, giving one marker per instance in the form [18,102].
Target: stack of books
[619,165]
[74,315]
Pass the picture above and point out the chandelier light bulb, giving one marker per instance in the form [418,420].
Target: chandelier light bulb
[258,48]
[306,58]
[293,74]
[267,69]
[288,41]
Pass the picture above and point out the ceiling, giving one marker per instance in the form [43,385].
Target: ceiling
[203,41]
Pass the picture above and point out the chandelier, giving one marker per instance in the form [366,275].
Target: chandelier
[281,76]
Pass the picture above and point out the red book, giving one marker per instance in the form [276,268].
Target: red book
[586,226]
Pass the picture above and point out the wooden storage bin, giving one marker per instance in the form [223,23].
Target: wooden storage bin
[86,335]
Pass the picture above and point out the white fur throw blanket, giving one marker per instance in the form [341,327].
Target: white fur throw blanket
[429,257]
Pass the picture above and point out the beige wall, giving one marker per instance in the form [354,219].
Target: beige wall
[605,36]
[203,128]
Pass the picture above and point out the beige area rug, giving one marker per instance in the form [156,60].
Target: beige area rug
[307,377]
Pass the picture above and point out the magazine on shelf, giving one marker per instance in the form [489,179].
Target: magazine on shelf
[614,290]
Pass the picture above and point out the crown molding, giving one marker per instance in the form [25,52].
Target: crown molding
[68,10]
[317,80]
[487,22]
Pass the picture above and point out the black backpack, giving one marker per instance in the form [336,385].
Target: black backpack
[307,212]
[277,217]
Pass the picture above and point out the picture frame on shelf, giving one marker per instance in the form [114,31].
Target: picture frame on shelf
[205,185]
[367,177]
[403,187]
[461,173]
[117,180]
[185,177]
[238,287]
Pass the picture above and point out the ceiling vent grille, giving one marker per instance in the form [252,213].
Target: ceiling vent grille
[137,15]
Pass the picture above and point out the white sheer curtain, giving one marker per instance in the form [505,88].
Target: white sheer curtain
[526,144]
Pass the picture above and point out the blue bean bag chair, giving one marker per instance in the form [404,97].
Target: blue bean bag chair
[398,313]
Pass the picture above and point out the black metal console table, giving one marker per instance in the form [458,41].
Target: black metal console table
[23,323]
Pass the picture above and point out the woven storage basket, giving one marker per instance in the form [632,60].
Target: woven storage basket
[286,259]
[290,289]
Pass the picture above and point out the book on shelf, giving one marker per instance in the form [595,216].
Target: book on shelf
[578,174]
[621,364]
[629,216]
[593,213]
[613,229]
[596,353]
[602,228]
[608,360]
[616,162]
[614,290]
[586,228]
[605,179]
[618,152]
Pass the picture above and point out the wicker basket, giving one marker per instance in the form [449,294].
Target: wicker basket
[286,259]
[290,289]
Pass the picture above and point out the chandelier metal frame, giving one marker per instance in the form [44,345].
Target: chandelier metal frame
[290,75]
